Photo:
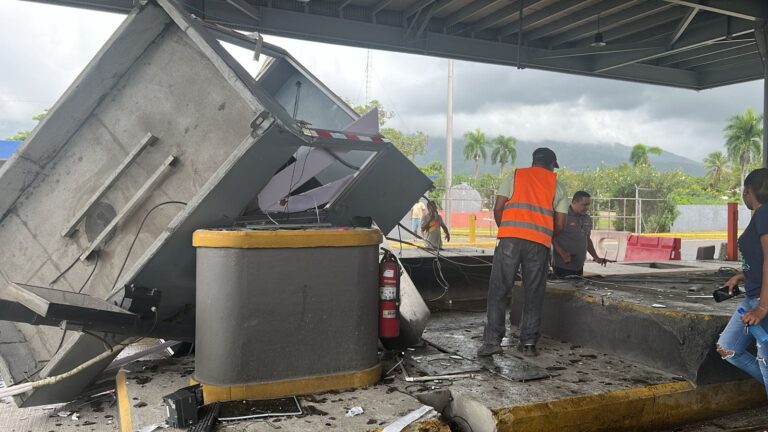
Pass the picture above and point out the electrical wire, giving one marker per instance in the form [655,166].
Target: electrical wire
[69,267]
[290,187]
[317,211]
[23,388]
[617,285]
[136,236]
[270,218]
[291,184]
[107,345]
[438,272]
[85,283]
[430,250]
[90,275]
[443,257]
[303,167]
[64,332]
[56,351]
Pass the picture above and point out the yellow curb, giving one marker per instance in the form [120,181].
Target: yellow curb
[623,304]
[299,386]
[123,403]
[305,238]
[649,408]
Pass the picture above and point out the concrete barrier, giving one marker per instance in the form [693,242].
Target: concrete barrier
[648,248]
[610,244]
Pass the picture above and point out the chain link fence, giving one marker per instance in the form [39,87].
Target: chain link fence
[615,214]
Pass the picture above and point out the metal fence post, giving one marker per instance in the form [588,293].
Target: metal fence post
[472,234]
[733,227]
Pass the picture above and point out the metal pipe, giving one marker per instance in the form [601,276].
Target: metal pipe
[449,147]
[438,377]
[520,35]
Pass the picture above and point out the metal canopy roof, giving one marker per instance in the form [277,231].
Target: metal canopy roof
[694,44]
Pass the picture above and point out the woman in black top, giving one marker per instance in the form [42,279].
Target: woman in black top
[753,244]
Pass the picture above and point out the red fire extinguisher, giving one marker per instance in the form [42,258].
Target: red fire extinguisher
[389,296]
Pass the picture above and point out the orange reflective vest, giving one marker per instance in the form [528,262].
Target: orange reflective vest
[529,213]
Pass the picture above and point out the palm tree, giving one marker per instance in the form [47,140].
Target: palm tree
[743,138]
[716,164]
[640,155]
[475,148]
[504,151]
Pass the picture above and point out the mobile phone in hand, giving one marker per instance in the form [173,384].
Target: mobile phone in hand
[721,294]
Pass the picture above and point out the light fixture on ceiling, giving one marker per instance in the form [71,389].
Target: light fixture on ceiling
[598,41]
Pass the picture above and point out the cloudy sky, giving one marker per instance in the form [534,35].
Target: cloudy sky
[45,47]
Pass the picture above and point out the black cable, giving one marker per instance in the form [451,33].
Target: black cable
[429,250]
[437,271]
[437,254]
[291,184]
[157,318]
[56,351]
[69,267]
[106,344]
[135,237]
[303,166]
[290,187]
[90,275]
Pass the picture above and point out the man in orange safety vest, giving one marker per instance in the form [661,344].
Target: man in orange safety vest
[531,206]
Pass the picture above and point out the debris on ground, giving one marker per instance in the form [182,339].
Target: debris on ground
[354,411]
[153,427]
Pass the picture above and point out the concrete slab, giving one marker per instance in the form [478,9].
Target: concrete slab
[667,321]
[586,390]
[147,382]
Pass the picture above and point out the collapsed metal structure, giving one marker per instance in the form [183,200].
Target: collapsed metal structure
[164,133]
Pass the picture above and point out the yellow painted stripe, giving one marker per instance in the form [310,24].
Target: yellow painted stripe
[637,409]
[703,235]
[123,403]
[253,239]
[275,389]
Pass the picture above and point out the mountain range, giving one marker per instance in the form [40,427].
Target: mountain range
[574,156]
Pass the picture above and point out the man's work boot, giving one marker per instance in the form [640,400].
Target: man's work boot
[528,350]
[489,350]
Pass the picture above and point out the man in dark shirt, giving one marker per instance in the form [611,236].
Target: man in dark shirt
[572,244]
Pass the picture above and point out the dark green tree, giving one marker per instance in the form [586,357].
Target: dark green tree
[504,151]
[743,140]
[475,148]
[640,155]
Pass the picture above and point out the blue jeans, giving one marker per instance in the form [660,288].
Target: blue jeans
[734,341]
[533,259]
[416,225]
